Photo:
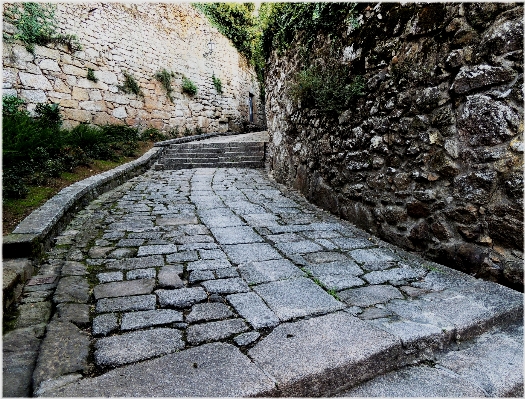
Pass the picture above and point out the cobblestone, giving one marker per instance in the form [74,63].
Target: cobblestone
[224,255]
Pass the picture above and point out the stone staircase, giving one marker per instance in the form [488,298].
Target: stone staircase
[213,155]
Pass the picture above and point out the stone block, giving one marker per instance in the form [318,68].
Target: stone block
[72,289]
[214,331]
[169,277]
[256,252]
[149,318]
[136,346]
[124,288]
[182,297]
[225,286]
[253,309]
[208,311]
[38,82]
[146,250]
[105,324]
[122,304]
[77,313]
[371,295]
[296,297]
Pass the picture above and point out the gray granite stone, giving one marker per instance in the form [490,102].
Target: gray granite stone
[147,250]
[208,264]
[121,253]
[208,311]
[33,313]
[183,256]
[374,313]
[327,257]
[72,268]
[72,289]
[109,277]
[105,323]
[149,318]
[136,263]
[200,371]
[227,273]
[215,254]
[347,268]
[270,270]
[295,354]
[182,297]
[251,307]
[235,235]
[169,277]
[247,338]
[296,297]
[141,273]
[367,296]
[124,288]
[130,242]
[299,247]
[374,258]
[339,282]
[214,331]
[351,243]
[226,286]
[126,303]
[77,313]
[243,253]
[200,275]
[136,346]
[66,342]
[395,276]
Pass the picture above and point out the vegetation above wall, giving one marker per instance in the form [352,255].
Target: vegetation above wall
[36,25]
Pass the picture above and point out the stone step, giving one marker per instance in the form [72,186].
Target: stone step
[490,365]
[166,165]
[214,158]
[176,154]
[203,146]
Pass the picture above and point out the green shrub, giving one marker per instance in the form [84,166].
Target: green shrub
[164,77]
[188,86]
[12,104]
[217,83]
[91,75]
[130,85]
[49,115]
[36,24]
[326,89]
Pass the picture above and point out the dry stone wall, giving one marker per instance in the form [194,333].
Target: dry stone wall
[140,39]
[431,156]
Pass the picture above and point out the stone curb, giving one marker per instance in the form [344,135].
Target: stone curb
[36,232]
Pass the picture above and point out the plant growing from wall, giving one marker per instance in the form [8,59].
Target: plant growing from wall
[35,23]
[165,77]
[326,89]
[91,75]
[188,86]
[130,85]
[217,83]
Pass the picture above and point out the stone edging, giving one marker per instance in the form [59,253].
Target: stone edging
[36,232]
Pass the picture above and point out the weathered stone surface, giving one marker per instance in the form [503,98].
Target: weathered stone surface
[235,235]
[367,296]
[270,270]
[208,311]
[149,318]
[33,313]
[136,263]
[295,353]
[247,338]
[71,268]
[147,250]
[257,252]
[212,370]
[72,289]
[66,342]
[253,309]
[214,331]
[226,286]
[169,277]
[137,345]
[470,78]
[296,297]
[182,297]
[139,302]
[141,273]
[124,288]
[77,313]
[104,324]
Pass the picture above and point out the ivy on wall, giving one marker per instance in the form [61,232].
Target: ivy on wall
[36,25]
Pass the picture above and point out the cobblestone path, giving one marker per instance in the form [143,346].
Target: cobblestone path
[213,281]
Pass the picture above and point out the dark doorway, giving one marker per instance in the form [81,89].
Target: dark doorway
[250,104]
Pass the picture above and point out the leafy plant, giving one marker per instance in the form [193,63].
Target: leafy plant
[130,85]
[188,86]
[49,115]
[164,77]
[217,83]
[327,89]
[11,105]
[91,75]
[36,24]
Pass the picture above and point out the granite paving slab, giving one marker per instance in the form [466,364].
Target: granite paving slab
[270,270]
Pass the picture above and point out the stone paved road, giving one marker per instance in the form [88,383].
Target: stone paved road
[214,264]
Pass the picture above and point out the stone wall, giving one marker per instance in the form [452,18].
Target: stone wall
[430,158]
[139,39]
